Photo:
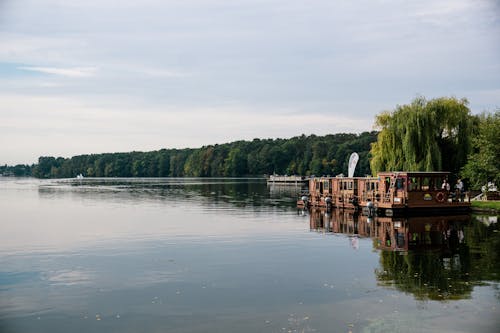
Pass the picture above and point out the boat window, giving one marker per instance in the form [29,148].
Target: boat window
[438,181]
[432,184]
[414,184]
[386,183]
[426,182]
[399,183]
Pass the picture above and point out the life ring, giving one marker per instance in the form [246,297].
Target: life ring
[440,197]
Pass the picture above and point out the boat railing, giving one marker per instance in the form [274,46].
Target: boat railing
[371,195]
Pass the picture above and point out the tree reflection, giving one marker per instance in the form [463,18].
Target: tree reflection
[432,257]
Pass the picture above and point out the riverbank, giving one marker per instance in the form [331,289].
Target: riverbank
[486,206]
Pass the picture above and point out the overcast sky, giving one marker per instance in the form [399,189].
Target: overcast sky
[97,76]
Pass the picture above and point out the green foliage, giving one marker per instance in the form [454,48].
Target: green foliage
[449,272]
[483,163]
[490,205]
[19,170]
[423,136]
[303,155]
[423,274]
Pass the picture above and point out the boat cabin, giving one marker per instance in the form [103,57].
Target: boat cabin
[389,190]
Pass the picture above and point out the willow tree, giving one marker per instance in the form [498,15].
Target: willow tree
[423,136]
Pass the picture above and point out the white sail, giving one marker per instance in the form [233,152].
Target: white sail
[353,160]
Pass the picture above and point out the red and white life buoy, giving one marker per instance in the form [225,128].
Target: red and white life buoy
[440,197]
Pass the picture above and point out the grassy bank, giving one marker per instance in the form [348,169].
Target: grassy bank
[486,205]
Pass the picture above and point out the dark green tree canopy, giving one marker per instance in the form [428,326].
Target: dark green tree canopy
[301,155]
[483,164]
[423,136]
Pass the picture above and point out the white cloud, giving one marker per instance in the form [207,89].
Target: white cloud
[64,126]
[75,72]
[186,73]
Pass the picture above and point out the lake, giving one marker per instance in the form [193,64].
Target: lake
[233,255]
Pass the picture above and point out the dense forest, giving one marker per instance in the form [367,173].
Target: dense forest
[19,170]
[302,155]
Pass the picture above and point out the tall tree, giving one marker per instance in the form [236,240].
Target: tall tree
[423,136]
[483,163]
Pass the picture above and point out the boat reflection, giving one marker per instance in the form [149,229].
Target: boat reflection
[432,257]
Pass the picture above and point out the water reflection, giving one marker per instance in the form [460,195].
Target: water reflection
[225,255]
[210,192]
[432,257]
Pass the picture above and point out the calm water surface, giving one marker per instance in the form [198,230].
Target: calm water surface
[233,255]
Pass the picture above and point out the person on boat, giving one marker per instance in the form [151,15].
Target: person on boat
[459,189]
[445,186]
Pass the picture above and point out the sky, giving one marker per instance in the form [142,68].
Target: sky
[93,76]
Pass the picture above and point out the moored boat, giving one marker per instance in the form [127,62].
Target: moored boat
[389,193]
[284,180]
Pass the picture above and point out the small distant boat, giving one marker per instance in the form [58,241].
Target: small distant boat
[294,180]
[80,176]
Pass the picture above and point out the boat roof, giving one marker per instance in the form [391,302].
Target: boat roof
[415,173]
[387,173]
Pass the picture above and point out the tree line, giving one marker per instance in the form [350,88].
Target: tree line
[19,170]
[439,134]
[301,155]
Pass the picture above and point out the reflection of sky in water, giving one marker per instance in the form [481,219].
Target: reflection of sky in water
[207,259]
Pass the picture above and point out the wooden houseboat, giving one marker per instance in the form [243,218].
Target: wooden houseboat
[388,193]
